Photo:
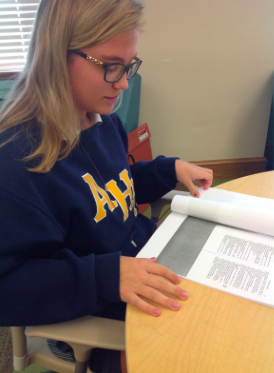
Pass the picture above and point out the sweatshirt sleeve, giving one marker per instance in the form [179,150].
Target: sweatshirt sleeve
[153,179]
[40,281]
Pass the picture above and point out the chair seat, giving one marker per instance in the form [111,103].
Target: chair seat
[106,333]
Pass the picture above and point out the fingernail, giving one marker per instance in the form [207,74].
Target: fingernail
[178,280]
[153,257]
[175,306]
[184,294]
[156,312]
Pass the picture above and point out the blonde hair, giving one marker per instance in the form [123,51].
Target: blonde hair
[43,90]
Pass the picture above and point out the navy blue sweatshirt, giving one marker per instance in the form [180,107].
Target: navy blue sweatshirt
[62,232]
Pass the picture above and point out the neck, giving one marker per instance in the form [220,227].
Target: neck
[87,120]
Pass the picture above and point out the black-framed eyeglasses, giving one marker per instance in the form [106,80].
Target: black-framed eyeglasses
[113,71]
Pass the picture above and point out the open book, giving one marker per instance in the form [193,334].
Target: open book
[223,240]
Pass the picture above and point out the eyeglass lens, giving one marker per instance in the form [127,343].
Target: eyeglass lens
[115,72]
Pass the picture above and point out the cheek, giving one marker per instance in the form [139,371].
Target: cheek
[73,76]
[85,83]
[77,89]
[79,85]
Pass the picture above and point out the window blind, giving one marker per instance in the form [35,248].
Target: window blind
[16,20]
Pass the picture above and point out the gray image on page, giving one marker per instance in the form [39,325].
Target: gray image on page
[186,244]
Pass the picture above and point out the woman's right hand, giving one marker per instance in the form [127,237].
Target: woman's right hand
[137,279]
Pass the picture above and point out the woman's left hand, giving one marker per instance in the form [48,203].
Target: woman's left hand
[187,173]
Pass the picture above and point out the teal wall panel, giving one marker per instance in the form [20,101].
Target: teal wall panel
[5,86]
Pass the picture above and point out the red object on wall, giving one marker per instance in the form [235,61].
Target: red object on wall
[139,149]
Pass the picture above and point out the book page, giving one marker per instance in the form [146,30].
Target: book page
[236,198]
[246,212]
[237,262]
[233,260]
[162,236]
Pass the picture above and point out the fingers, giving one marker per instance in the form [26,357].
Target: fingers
[161,299]
[137,279]
[154,260]
[187,173]
[157,297]
[194,191]
[167,287]
[208,184]
[204,182]
[158,269]
[192,188]
[144,306]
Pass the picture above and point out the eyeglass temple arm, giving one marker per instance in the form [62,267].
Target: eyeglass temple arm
[76,51]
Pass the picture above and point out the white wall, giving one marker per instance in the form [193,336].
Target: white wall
[207,77]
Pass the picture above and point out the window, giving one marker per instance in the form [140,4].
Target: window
[16,20]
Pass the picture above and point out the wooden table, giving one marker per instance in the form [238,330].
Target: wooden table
[213,332]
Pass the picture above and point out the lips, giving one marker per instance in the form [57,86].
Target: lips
[112,99]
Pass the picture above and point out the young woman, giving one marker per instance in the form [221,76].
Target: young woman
[70,228]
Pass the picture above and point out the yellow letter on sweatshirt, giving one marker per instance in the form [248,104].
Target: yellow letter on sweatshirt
[100,202]
[121,197]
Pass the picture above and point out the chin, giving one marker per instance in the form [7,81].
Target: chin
[105,111]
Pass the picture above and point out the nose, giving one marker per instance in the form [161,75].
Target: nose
[122,83]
